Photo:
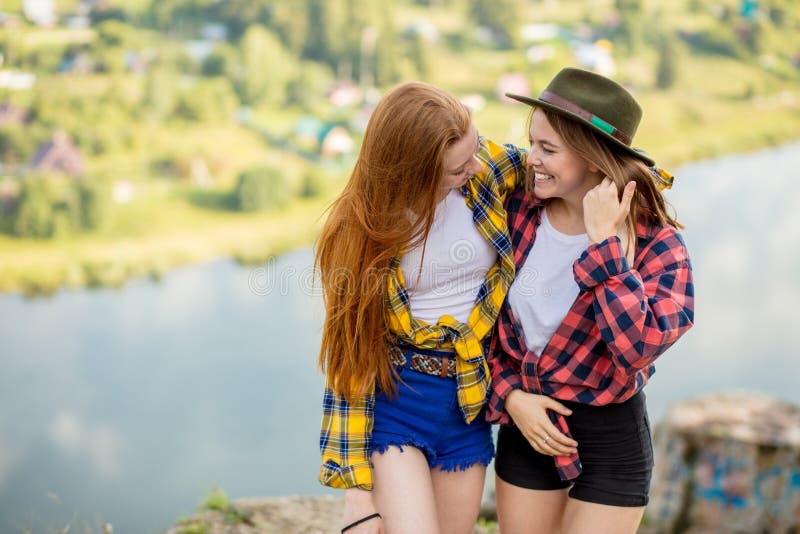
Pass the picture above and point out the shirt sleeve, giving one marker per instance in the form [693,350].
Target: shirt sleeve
[505,164]
[505,379]
[641,312]
[344,441]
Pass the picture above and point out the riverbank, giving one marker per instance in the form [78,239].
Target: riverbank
[42,268]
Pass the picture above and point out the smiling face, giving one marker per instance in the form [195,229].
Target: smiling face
[557,170]
[460,162]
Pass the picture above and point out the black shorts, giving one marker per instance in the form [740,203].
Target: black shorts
[614,445]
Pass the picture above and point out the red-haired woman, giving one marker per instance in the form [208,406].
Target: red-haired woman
[603,287]
[415,262]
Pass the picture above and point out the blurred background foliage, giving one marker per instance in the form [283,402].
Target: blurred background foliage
[143,134]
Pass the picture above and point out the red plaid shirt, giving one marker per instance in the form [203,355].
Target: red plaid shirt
[621,321]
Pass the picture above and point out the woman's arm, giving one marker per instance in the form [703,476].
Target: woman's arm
[640,312]
[527,410]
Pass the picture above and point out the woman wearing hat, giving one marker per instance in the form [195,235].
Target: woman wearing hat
[603,287]
[415,261]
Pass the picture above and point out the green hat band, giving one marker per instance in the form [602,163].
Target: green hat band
[563,103]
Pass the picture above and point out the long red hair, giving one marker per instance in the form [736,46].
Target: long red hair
[389,202]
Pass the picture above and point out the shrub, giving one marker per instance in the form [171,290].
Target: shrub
[35,215]
[95,203]
[262,189]
[314,183]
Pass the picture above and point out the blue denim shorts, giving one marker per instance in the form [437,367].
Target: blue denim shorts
[425,414]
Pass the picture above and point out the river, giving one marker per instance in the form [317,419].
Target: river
[127,406]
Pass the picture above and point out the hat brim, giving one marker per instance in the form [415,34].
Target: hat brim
[555,109]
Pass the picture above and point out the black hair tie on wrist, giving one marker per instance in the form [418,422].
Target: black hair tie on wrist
[362,520]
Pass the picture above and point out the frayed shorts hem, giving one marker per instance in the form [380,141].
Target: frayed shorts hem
[445,465]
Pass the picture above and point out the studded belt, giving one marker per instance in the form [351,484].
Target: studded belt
[436,363]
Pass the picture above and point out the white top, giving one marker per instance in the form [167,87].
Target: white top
[457,258]
[545,289]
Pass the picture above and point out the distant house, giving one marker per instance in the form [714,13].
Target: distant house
[214,32]
[596,56]
[123,191]
[40,12]
[536,33]
[749,9]
[513,82]
[9,21]
[138,62]
[199,49]
[307,133]
[423,27]
[343,93]
[81,63]
[58,155]
[540,53]
[77,22]
[11,115]
[16,80]
[200,174]
[86,6]
[336,142]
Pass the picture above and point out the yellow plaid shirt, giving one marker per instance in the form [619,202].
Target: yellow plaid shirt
[347,426]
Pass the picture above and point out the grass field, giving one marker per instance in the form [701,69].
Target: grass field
[718,105]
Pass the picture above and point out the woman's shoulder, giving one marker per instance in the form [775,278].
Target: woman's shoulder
[503,165]
[521,200]
[660,240]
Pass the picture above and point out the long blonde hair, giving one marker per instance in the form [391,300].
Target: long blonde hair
[398,169]
[621,166]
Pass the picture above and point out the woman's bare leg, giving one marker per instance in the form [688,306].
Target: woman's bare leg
[582,516]
[527,511]
[403,491]
[458,498]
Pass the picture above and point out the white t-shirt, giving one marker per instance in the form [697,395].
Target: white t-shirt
[545,289]
[457,258]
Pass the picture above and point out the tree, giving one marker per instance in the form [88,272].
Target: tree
[95,202]
[328,27]
[225,61]
[207,100]
[667,69]
[34,217]
[262,189]
[268,67]
[752,35]
[628,6]
[159,93]
[500,16]
[388,54]
[309,82]
[420,56]
[290,20]
[314,183]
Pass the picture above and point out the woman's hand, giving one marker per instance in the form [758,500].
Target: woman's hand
[603,213]
[529,412]
[357,505]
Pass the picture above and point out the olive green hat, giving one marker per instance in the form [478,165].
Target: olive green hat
[596,101]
